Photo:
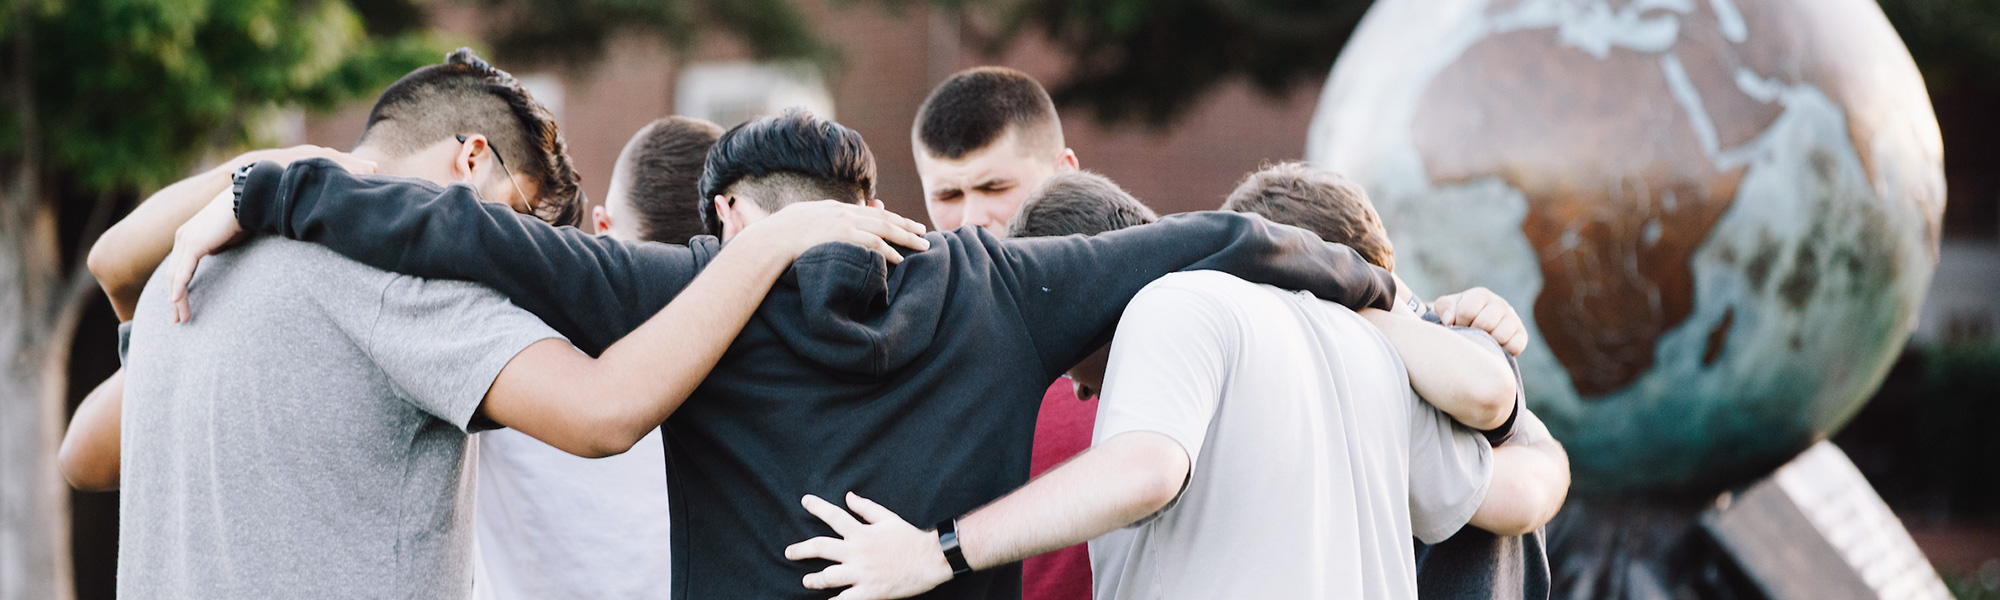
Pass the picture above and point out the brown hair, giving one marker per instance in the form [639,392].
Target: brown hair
[662,167]
[975,108]
[1317,200]
[1078,202]
[465,95]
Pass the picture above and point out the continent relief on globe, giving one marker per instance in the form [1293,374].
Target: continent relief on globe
[1615,251]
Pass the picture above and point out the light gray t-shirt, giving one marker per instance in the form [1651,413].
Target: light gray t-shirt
[1313,462]
[304,436]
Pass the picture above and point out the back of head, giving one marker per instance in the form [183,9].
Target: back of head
[791,157]
[975,107]
[662,168]
[1317,200]
[465,96]
[1078,202]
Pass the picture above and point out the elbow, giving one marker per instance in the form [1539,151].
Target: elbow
[1493,400]
[1162,471]
[1494,407]
[612,435]
[82,473]
[102,264]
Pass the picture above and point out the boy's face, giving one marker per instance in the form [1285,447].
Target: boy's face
[987,186]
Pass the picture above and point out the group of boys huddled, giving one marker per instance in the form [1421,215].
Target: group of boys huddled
[755,382]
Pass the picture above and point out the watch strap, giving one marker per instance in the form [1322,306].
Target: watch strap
[953,555]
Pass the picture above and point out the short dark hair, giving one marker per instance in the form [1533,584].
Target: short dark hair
[974,107]
[829,161]
[1317,200]
[1078,202]
[464,96]
[662,168]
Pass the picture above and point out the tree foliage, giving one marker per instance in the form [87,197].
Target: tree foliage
[573,32]
[127,94]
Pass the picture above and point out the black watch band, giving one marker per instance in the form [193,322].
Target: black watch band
[953,555]
[237,180]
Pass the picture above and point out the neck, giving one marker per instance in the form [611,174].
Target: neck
[384,162]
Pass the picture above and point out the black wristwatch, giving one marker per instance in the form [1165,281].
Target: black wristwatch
[953,555]
[237,179]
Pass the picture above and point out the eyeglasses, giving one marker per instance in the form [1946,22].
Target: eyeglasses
[505,171]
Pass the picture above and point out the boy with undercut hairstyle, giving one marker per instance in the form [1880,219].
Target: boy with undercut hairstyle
[554,525]
[914,381]
[983,140]
[305,437]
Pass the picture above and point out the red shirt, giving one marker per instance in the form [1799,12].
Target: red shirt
[1062,431]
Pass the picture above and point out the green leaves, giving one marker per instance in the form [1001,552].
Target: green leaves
[130,93]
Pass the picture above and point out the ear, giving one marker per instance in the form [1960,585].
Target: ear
[877,203]
[1067,162]
[471,152]
[732,221]
[601,219]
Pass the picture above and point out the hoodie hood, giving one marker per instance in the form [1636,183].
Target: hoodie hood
[845,307]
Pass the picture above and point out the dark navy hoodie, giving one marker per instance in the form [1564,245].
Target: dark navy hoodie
[916,385]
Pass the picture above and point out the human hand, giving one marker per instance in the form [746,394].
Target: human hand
[796,228]
[211,230]
[286,156]
[1480,308]
[883,558]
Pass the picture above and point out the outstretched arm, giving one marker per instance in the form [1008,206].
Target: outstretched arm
[128,253]
[89,454]
[600,407]
[1072,289]
[590,288]
[1530,481]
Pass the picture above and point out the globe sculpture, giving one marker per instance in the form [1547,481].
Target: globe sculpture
[1718,217]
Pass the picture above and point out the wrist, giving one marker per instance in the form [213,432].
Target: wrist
[951,551]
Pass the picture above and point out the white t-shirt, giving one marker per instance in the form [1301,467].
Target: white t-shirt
[551,524]
[1313,462]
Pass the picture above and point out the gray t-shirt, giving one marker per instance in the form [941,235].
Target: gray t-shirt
[304,436]
[1313,462]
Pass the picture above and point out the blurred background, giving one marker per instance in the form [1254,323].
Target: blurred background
[106,100]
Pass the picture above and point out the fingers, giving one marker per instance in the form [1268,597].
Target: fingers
[833,577]
[868,509]
[835,517]
[822,547]
[869,241]
[1518,342]
[1490,316]
[182,266]
[887,228]
[1444,306]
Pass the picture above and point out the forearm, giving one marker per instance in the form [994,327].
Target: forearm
[128,253]
[1530,481]
[591,289]
[1112,485]
[89,455]
[601,407]
[1471,383]
[1073,289]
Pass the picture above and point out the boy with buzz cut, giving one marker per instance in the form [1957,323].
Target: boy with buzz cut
[983,139]
[554,525]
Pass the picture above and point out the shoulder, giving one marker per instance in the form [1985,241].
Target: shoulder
[1214,288]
